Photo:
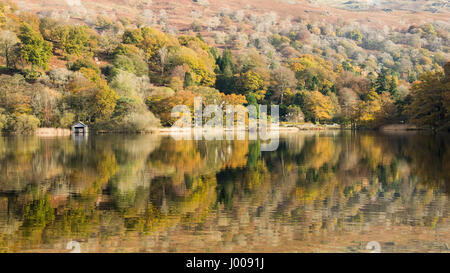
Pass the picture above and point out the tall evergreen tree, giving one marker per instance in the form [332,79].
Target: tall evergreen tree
[382,83]
[225,79]
[393,88]
[188,80]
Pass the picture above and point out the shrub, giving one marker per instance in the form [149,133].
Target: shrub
[83,63]
[124,106]
[3,121]
[31,75]
[23,124]
[162,92]
[132,63]
[67,120]
[130,116]
[139,122]
[60,76]
[294,114]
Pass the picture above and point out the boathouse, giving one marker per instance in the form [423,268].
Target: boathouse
[80,128]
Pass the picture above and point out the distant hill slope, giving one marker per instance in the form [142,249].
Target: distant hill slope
[434,6]
[181,13]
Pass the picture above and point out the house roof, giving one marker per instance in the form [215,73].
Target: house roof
[80,124]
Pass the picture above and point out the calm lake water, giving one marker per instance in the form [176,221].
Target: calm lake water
[318,192]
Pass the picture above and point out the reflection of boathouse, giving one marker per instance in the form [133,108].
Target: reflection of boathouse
[80,128]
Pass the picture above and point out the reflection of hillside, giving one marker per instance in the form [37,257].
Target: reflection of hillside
[180,158]
[150,193]
[18,157]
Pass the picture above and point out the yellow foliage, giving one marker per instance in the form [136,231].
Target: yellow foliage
[320,106]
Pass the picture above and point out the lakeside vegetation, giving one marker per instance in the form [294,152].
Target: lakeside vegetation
[119,75]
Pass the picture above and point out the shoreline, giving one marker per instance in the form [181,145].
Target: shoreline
[52,132]
[287,128]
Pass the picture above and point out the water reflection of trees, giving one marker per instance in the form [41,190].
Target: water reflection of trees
[105,189]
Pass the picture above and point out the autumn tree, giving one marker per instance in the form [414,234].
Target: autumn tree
[9,43]
[35,50]
[249,82]
[14,95]
[313,73]
[430,105]
[349,102]
[130,59]
[72,39]
[369,108]
[211,96]
[200,66]
[154,44]
[319,107]
[91,99]
[283,79]
[234,99]
[162,105]
[21,103]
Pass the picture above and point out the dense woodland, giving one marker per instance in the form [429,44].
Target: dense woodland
[122,75]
